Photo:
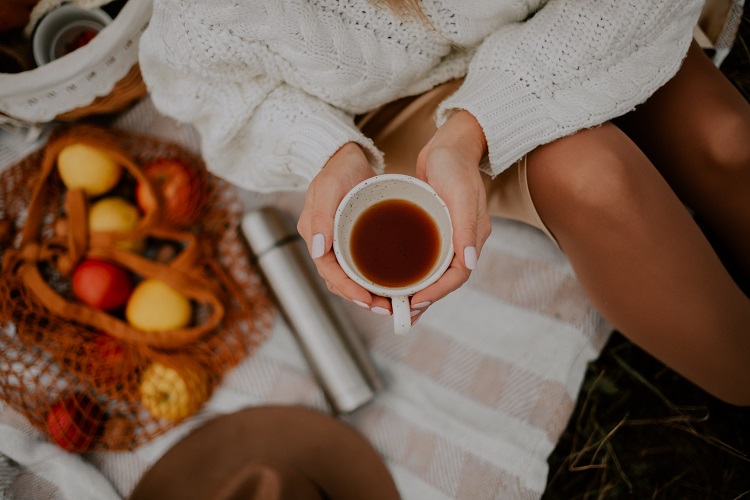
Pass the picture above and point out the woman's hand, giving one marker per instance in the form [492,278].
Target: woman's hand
[344,170]
[450,164]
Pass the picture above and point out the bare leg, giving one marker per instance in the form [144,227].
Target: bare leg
[642,259]
[696,131]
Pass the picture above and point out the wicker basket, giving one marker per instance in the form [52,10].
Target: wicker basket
[101,77]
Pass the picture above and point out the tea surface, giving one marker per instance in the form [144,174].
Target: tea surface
[395,243]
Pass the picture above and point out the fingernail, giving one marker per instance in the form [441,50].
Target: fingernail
[380,310]
[414,313]
[470,257]
[360,303]
[318,245]
[421,305]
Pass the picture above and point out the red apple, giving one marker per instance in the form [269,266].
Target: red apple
[106,358]
[74,422]
[109,350]
[101,284]
[180,188]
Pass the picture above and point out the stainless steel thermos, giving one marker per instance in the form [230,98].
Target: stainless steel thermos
[325,334]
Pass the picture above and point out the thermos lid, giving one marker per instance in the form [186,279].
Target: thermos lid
[265,229]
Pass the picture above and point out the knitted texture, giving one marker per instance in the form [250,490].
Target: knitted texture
[273,86]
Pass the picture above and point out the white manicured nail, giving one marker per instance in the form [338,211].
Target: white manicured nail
[360,303]
[414,313]
[380,310]
[318,245]
[421,305]
[470,257]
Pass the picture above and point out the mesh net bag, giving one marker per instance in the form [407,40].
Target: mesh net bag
[110,337]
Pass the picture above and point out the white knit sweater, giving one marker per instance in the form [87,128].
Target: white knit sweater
[273,85]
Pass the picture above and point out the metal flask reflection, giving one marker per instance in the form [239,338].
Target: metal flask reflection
[325,334]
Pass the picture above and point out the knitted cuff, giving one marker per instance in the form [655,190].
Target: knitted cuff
[513,121]
[316,138]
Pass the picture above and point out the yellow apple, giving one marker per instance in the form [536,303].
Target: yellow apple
[116,214]
[173,393]
[154,306]
[83,167]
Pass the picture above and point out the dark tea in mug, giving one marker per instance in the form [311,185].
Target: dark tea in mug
[395,243]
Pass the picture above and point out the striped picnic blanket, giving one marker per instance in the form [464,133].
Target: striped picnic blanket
[475,397]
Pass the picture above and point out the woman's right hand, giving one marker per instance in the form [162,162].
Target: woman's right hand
[344,170]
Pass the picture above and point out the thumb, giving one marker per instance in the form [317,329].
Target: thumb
[464,216]
[323,207]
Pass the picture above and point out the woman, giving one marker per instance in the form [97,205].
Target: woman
[595,120]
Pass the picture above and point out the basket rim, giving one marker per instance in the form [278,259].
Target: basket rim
[18,90]
[49,75]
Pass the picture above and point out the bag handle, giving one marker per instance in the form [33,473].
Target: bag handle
[197,288]
[78,233]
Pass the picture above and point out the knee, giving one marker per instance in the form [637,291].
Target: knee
[727,147]
[598,181]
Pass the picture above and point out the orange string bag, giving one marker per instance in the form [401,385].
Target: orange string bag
[118,322]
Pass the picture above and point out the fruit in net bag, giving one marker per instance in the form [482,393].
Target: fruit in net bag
[74,422]
[173,393]
[83,167]
[101,284]
[180,188]
[154,306]
[106,360]
[115,214]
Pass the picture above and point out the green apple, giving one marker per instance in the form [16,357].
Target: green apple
[115,214]
[154,306]
[84,167]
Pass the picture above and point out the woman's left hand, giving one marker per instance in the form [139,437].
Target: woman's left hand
[450,164]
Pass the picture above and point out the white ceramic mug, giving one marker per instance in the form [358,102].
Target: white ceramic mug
[371,192]
[60,26]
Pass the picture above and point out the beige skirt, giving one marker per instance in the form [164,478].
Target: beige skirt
[400,129]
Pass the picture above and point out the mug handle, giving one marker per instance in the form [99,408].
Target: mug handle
[401,314]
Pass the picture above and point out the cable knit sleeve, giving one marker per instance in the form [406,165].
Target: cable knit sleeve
[256,131]
[575,64]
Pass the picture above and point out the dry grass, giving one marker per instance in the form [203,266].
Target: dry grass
[640,430]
